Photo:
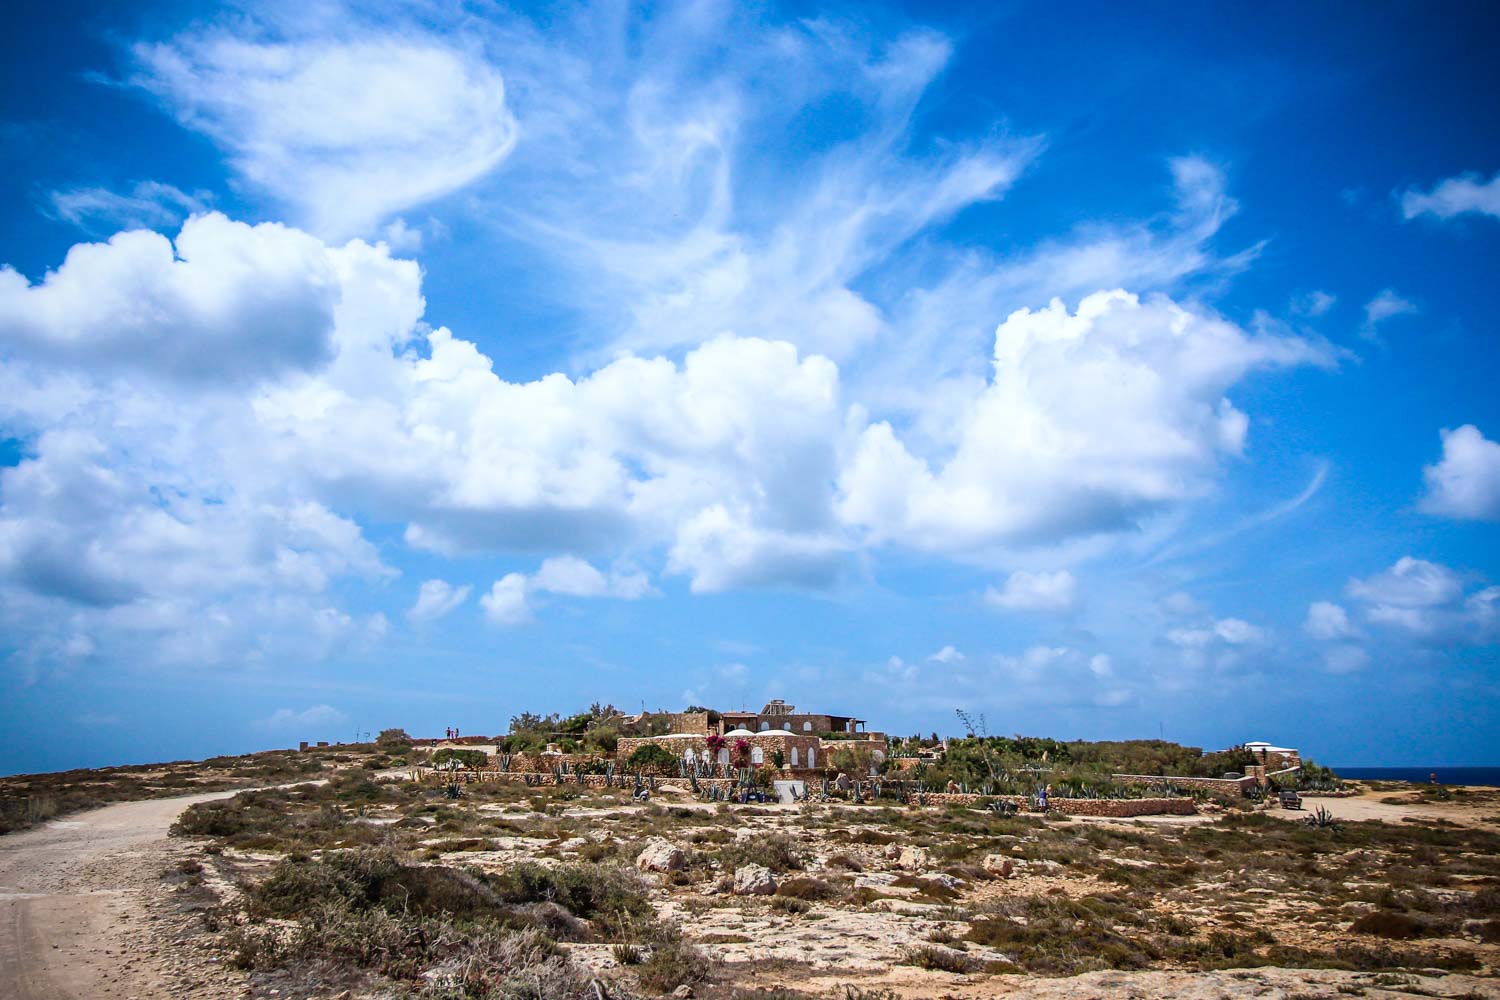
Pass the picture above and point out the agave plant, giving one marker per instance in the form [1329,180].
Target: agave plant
[1320,818]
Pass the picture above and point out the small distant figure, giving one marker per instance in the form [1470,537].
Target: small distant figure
[953,787]
[1432,778]
[1041,799]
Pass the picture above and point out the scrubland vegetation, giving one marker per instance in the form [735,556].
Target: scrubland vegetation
[388,887]
[517,891]
[28,799]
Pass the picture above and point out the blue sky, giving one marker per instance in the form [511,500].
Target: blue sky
[1123,373]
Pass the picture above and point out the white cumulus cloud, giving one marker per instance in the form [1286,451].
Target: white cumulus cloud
[1092,420]
[578,578]
[1465,483]
[506,602]
[1328,621]
[1026,591]
[1430,602]
[225,301]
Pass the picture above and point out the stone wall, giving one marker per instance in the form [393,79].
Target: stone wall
[543,763]
[1124,807]
[872,744]
[1231,787]
[1120,808]
[688,722]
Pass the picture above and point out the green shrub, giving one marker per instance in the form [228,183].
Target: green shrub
[611,897]
[941,960]
[804,887]
[473,760]
[777,852]
[650,756]
[673,963]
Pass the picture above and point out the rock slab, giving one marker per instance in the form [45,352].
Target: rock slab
[754,880]
[661,856]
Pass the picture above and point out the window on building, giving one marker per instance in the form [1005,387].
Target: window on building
[794,757]
[764,726]
[812,757]
[807,727]
[723,755]
[692,758]
[757,755]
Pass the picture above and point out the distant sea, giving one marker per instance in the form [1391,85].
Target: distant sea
[1445,775]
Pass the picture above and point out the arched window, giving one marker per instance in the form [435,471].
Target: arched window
[812,757]
[807,727]
[764,726]
[723,755]
[692,758]
[794,757]
[757,755]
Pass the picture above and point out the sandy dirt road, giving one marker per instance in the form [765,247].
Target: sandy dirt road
[82,914]
[1479,810]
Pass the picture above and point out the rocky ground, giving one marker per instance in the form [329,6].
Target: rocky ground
[1399,897]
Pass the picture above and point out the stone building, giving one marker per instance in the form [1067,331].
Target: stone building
[1274,758]
[779,715]
[799,752]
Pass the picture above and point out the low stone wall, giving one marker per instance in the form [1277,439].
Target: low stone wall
[1120,808]
[1232,787]
[541,763]
[876,748]
[1124,807]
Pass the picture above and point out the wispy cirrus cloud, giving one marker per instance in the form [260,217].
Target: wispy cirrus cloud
[437,599]
[148,205]
[346,133]
[1463,195]
[318,717]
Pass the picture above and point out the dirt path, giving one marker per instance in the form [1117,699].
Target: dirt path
[84,914]
[1477,810]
